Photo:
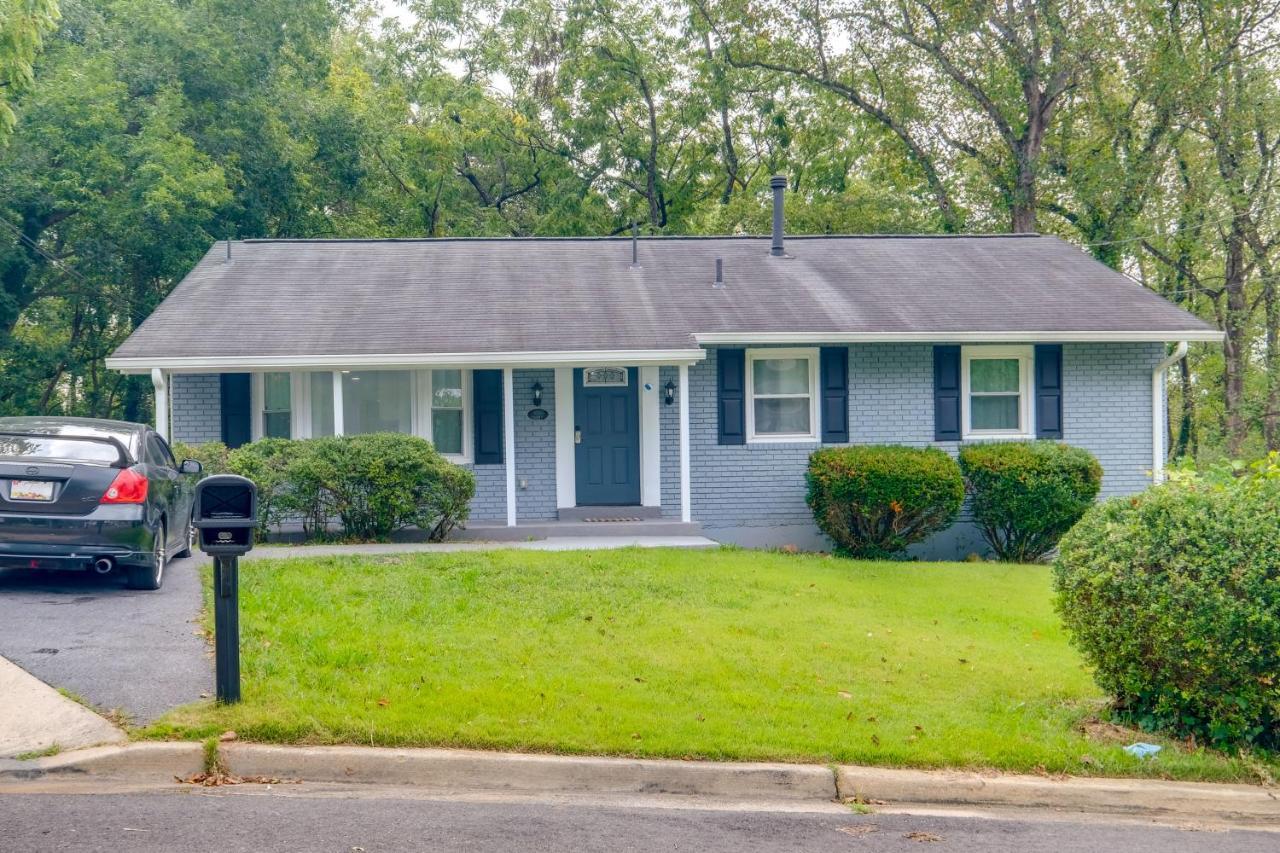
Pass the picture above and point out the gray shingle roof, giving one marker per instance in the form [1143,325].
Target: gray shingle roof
[334,297]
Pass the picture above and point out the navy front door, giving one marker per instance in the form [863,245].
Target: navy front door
[607,436]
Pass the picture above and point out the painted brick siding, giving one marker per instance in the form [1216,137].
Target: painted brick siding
[535,448]
[1106,409]
[196,407]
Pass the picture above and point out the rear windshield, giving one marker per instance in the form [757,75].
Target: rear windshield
[51,447]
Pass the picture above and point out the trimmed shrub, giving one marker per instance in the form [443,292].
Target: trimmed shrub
[267,462]
[875,500]
[379,483]
[212,456]
[1027,494]
[1174,597]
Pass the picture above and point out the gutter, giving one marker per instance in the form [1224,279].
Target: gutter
[1158,409]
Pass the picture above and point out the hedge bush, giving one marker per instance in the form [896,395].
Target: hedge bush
[372,485]
[1027,494]
[1174,597]
[875,500]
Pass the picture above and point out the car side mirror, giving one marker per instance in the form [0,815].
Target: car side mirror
[190,466]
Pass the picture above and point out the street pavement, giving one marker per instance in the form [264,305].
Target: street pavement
[254,818]
[139,652]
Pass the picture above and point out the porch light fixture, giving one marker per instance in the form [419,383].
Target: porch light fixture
[537,394]
[669,392]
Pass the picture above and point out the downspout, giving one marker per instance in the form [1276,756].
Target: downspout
[1158,410]
[160,383]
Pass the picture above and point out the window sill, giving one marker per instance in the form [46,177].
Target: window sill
[998,436]
[783,439]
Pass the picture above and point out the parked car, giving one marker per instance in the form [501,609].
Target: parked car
[93,495]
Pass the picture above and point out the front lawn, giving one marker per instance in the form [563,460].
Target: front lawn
[723,654]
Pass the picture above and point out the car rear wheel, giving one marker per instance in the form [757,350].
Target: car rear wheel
[150,577]
[190,543]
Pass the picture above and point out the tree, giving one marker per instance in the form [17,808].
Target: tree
[23,25]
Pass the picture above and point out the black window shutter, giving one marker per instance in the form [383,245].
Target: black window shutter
[731,395]
[486,388]
[237,414]
[946,393]
[1048,391]
[834,379]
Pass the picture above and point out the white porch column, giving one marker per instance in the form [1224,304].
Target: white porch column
[566,484]
[509,440]
[686,511]
[160,382]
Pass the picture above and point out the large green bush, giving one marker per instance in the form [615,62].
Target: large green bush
[379,483]
[372,485]
[1174,597]
[875,500]
[1027,494]
[212,456]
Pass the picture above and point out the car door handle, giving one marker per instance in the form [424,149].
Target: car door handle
[577,435]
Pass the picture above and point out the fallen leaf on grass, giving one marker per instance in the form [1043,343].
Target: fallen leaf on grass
[382,703]
[844,694]
[227,737]
[923,837]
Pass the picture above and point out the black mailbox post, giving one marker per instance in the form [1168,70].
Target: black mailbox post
[226,514]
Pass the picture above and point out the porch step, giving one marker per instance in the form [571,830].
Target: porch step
[496,531]
[609,513]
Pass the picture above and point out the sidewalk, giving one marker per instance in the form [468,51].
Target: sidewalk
[34,717]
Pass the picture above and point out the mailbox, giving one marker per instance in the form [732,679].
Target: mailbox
[226,514]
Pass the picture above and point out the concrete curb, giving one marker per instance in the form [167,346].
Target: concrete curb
[1146,797]
[457,771]
[136,762]
[461,770]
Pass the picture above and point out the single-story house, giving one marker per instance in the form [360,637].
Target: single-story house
[667,381]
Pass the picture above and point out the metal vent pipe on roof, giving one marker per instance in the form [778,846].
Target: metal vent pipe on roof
[778,183]
[719,282]
[635,245]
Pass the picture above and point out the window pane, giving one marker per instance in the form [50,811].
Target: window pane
[321,404]
[376,401]
[275,392]
[998,412]
[780,376]
[275,425]
[446,389]
[993,374]
[782,417]
[446,430]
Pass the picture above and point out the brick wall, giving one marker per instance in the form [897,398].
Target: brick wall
[754,494]
[196,404]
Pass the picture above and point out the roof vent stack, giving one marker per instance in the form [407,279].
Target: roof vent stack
[778,183]
[719,282]
[635,245]
[228,250]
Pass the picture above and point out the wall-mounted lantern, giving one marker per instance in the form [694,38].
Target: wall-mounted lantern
[537,394]
[669,392]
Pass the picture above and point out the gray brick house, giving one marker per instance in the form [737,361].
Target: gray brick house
[680,381]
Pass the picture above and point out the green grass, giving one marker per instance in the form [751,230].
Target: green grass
[723,654]
[50,750]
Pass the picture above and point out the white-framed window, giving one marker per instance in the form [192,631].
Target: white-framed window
[995,391]
[277,406]
[782,395]
[433,404]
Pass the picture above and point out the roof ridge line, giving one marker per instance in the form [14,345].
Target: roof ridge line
[623,238]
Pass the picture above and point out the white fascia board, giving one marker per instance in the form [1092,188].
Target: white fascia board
[747,338]
[231,364]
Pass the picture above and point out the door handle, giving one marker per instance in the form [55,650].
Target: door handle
[577,435]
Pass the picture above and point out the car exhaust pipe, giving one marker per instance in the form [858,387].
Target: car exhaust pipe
[104,565]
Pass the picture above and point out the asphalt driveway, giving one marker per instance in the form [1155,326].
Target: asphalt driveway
[139,652]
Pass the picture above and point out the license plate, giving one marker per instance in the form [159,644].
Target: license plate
[30,490]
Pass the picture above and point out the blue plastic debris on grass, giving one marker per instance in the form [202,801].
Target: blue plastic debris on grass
[1142,750]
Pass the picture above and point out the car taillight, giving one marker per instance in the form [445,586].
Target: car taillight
[129,487]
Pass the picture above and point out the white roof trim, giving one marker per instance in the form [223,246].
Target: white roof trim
[231,364]
[1000,337]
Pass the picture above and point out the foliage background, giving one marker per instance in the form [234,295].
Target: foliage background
[137,132]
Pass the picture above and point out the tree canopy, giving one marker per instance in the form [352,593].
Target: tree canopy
[134,133]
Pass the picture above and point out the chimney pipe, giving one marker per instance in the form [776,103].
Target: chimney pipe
[778,183]
[635,245]
[719,282]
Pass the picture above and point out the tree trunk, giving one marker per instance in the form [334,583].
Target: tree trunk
[1235,343]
